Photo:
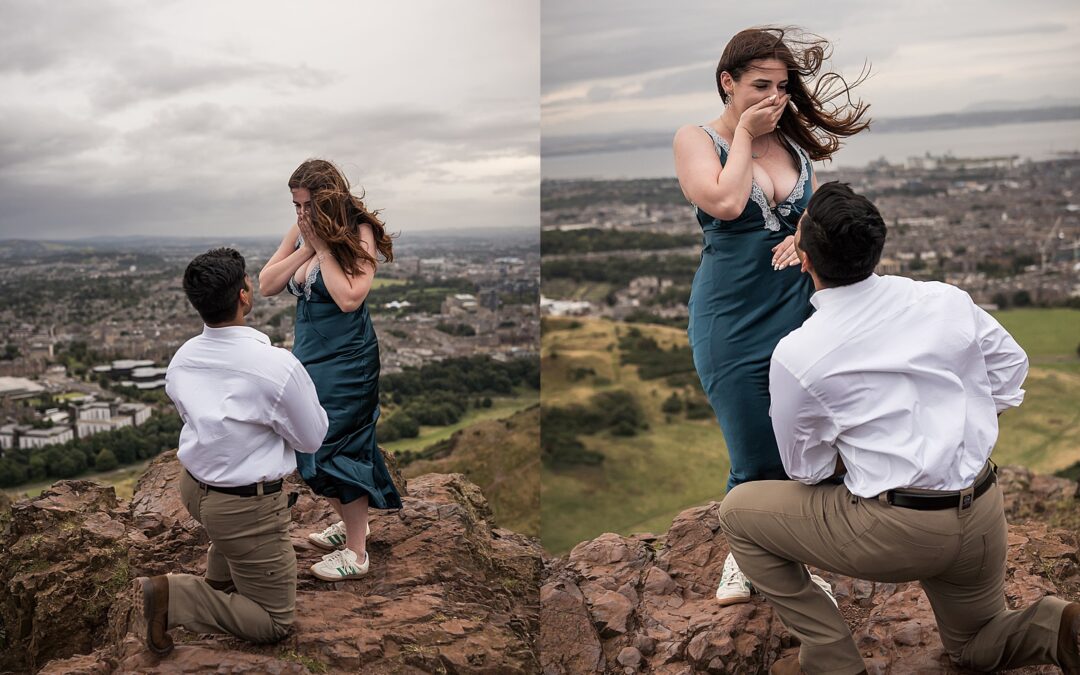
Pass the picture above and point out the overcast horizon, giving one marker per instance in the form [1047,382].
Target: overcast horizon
[619,67]
[186,119]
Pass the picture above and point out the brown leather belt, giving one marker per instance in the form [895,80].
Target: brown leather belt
[960,499]
[242,490]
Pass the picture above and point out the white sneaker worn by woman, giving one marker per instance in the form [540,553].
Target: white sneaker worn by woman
[333,536]
[734,586]
[340,566]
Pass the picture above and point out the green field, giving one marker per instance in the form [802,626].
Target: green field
[646,480]
[1044,432]
[122,479]
[500,408]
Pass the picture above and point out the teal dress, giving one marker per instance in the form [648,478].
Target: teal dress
[341,353]
[740,308]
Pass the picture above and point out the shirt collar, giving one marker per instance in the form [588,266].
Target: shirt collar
[841,294]
[235,332]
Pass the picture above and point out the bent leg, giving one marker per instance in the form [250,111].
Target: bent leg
[252,535]
[773,527]
[969,601]
[770,529]
[197,607]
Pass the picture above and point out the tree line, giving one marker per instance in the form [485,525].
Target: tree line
[440,393]
[99,452]
[593,240]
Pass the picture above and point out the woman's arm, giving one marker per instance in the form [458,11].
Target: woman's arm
[348,291]
[719,190]
[277,271]
[723,190]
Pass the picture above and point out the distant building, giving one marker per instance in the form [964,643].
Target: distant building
[551,307]
[39,438]
[9,434]
[19,387]
[489,300]
[459,303]
[138,412]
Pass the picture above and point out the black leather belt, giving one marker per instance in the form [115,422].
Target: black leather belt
[960,499]
[242,490]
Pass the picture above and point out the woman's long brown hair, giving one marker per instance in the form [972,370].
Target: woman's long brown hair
[806,120]
[338,213]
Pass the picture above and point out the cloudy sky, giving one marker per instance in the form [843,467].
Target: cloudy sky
[610,66]
[187,118]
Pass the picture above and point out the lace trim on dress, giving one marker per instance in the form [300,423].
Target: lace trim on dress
[757,195]
[313,273]
[797,193]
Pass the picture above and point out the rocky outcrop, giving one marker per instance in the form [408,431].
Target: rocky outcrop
[448,591]
[645,603]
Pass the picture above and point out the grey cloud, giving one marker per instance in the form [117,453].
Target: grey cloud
[31,138]
[35,36]
[605,38]
[153,74]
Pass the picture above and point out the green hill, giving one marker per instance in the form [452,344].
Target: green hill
[646,479]
[502,457]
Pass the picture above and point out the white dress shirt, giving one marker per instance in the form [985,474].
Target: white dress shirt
[904,379]
[245,404]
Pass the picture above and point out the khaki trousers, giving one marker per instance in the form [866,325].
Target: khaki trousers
[773,527]
[249,544]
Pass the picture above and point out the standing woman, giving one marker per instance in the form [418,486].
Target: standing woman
[748,174]
[328,260]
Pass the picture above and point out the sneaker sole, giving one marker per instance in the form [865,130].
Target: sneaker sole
[324,546]
[732,600]
[337,577]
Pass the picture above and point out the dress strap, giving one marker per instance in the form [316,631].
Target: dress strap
[722,147]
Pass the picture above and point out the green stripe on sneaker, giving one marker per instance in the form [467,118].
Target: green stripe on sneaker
[336,539]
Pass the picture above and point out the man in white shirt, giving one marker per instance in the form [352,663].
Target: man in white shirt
[246,405]
[899,383]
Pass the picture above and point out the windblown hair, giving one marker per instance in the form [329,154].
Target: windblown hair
[337,215]
[212,283]
[842,233]
[813,119]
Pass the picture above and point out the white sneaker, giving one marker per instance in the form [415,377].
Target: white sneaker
[333,536]
[824,585]
[340,566]
[734,586]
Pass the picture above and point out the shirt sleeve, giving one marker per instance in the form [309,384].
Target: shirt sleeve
[298,417]
[1006,362]
[805,431]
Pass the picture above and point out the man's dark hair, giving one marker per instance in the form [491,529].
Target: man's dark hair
[212,283]
[842,234]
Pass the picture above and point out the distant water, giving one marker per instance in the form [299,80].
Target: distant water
[1034,140]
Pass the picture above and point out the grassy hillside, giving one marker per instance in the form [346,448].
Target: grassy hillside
[646,479]
[500,408]
[502,457]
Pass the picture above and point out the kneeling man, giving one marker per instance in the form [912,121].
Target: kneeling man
[246,405]
[899,383]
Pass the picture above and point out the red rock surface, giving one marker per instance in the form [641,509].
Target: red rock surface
[447,592]
[645,603]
